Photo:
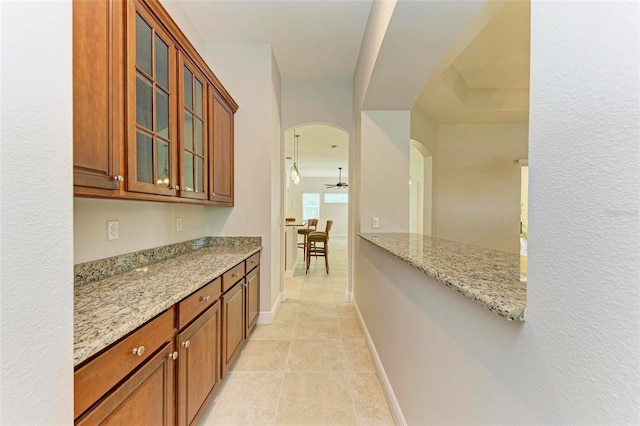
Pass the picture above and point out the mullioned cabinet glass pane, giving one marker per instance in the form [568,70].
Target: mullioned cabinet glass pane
[162,63]
[198,98]
[188,170]
[188,89]
[143,45]
[144,103]
[188,131]
[144,158]
[199,137]
[199,174]
[162,113]
[162,165]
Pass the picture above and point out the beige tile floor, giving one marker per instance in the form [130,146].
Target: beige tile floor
[311,366]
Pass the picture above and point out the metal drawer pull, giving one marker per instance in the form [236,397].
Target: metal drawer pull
[173,355]
[118,178]
[253,262]
[138,351]
[236,274]
[186,343]
[205,298]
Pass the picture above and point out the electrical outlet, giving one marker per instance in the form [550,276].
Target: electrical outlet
[375,222]
[179,224]
[112,230]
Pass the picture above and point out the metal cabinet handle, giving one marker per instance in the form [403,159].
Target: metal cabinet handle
[235,274]
[118,178]
[173,355]
[186,344]
[205,298]
[138,351]
[177,187]
[254,262]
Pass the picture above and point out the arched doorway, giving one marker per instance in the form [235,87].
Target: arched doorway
[320,150]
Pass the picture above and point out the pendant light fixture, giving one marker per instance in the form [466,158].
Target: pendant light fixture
[295,173]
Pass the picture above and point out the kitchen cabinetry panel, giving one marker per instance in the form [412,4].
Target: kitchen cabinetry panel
[193,130]
[232,276]
[145,398]
[95,378]
[199,364]
[252,299]
[141,130]
[221,166]
[193,305]
[167,371]
[151,107]
[97,96]
[232,324]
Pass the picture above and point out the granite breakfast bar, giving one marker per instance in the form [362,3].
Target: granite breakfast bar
[444,306]
[489,277]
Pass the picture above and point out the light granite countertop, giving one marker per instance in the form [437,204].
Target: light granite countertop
[490,277]
[108,309]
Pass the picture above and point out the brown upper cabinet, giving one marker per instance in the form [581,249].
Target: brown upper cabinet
[221,160]
[151,121]
[193,129]
[151,105]
[98,100]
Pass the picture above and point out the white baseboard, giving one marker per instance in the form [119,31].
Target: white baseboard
[349,297]
[392,401]
[268,316]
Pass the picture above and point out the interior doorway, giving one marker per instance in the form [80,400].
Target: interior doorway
[316,176]
[420,189]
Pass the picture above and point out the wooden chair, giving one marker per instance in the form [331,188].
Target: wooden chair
[312,225]
[318,246]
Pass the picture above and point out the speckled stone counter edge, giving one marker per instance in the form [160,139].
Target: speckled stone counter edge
[507,298]
[96,270]
[108,309]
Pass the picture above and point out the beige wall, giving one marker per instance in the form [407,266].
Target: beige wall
[248,73]
[477,185]
[142,225]
[384,170]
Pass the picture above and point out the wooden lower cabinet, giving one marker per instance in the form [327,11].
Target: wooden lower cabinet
[198,365]
[252,295]
[167,371]
[233,313]
[145,398]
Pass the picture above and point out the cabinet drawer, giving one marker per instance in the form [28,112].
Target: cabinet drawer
[232,276]
[253,261]
[97,377]
[193,305]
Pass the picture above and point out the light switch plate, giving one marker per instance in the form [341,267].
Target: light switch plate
[112,230]
[375,222]
[179,224]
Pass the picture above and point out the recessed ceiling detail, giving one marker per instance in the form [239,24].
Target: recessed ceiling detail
[488,82]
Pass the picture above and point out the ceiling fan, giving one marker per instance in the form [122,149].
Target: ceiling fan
[340,183]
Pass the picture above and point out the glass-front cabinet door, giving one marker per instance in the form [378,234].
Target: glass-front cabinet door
[151,132]
[192,131]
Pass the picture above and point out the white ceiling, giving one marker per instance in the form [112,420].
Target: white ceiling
[316,155]
[321,39]
[311,39]
[488,81]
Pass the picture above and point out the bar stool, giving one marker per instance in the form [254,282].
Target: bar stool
[312,224]
[318,246]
